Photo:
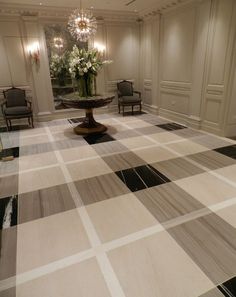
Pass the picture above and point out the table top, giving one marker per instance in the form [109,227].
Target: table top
[73,100]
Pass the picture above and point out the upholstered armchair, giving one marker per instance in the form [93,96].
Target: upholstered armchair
[127,96]
[16,106]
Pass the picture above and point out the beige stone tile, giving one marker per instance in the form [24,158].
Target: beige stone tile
[49,239]
[211,243]
[187,147]
[177,168]
[88,168]
[79,280]
[34,140]
[138,124]
[157,266]
[213,293]
[136,142]
[40,179]
[165,137]
[8,186]
[154,154]
[120,216]
[78,153]
[228,214]
[66,133]
[37,160]
[228,172]
[207,188]
[59,128]
[32,132]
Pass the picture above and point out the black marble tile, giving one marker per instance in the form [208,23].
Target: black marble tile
[131,179]
[98,138]
[8,212]
[3,129]
[76,120]
[141,177]
[151,176]
[228,289]
[13,151]
[229,151]
[171,126]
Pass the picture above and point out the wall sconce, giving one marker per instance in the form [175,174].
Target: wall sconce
[58,43]
[100,47]
[33,51]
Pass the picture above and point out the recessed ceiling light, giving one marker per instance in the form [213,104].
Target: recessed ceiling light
[40,3]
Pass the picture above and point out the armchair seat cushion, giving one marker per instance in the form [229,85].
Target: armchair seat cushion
[17,110]
[130,99]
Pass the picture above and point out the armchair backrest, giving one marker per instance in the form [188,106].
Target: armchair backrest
[15,97]
[125,88]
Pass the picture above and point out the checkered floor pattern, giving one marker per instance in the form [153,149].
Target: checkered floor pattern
[146,209]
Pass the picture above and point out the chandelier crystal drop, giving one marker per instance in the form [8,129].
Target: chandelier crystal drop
[82,24]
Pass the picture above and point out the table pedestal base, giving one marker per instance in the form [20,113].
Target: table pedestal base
[89,125]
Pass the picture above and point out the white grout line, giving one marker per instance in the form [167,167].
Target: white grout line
[212,172]
[103,261]
[98,249]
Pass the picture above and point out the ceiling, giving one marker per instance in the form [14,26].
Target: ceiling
[119,5]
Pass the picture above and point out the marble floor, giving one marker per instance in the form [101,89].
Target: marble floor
[147,209]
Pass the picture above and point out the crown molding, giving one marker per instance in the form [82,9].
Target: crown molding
[62,13]
[163,7]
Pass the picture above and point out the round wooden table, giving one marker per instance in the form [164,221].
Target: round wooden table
[89,125]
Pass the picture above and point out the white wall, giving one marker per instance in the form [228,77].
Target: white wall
[195,60]
[121,40]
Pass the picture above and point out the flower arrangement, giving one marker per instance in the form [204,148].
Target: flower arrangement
[59,67]
[84,66]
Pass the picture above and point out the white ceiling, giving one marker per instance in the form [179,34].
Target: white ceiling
[137,5]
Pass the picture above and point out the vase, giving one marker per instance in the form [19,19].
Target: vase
[86,85]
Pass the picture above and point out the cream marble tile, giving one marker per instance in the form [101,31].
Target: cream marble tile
[157,266]
[79,280]
[88,168]
[165,137]
[154,154]
[60,128]
[32,132]
[66,133]
[46,240]
[207,188]
[40,179]
[120,216]
[136,142]
[228,172]
[37,160]
[138,124]
[34,140]
[78,153]
[187,147]
[228,214]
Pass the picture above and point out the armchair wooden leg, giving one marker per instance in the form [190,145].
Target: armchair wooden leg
[29,122]
[10,125]
[132,110]
[32,121]
[8,128]
[140,107]
[123,110]
[119,107]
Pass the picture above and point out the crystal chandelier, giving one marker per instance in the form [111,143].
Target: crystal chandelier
[82,24]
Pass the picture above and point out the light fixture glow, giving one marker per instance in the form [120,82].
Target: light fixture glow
[82,24]
[58,42]
[33,51]
[100,47]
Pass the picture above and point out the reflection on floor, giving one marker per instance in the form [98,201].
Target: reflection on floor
[144,210]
